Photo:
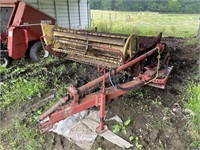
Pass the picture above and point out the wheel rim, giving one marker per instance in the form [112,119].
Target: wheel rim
[4,62]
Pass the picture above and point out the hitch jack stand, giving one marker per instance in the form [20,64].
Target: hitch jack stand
[101,127]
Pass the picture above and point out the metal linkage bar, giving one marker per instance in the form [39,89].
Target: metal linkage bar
[91,84]
[59,112]
[74,102]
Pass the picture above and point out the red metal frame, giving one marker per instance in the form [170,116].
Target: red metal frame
[23,27]
[8,2]
[95,99]
[73,103]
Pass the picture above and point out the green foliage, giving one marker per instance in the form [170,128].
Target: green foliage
[127,122]
[156,102]
[131,138]
[99,148]
[24,82]
[20,136]
[174,6]
[136,93]
[138,146]
[195,144]
[106,4]
[75,65]
[136,139]
[192,102]
[2,69]
[192,42]
[19,90]
[178,6]
[121,127]
[117,128]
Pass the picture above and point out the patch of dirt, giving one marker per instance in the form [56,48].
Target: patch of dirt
[149,108]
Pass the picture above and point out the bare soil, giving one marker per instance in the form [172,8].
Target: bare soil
[149,108]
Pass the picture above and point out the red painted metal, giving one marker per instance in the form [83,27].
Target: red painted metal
[17,42]
[68,110]
[54,107]
[91,84]
[94,99]
[73,92]
[102,109]
[159,82]
[23,27]
[102,103]
[64,108]
[8,2]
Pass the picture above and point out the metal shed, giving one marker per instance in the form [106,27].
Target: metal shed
[68,13]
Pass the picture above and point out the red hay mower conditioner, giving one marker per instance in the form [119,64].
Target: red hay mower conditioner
[21,31]
[145,62]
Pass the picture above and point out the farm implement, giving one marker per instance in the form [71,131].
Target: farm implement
[20,33]
[141,62]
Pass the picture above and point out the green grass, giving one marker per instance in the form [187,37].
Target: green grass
[22,136]
[24,133]
[192,102]
[146,23]
[20,90]
[3,69]
[26,82]
[192,42]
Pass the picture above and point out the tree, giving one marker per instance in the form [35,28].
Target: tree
[95,4]
[117,5]
[106,4]
[174,6]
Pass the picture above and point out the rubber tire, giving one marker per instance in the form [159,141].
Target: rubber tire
[6,58]
[35,49]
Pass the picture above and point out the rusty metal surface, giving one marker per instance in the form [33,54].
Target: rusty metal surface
[87,86]
[105,49]
[116,51]
[89,101]
[75,94]
[97,48]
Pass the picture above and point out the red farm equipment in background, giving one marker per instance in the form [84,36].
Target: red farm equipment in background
[21,31]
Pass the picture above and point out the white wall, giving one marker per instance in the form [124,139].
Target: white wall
[68,13]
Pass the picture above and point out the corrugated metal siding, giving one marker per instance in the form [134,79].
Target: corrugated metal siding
[74,14]
[84,13]
[48,7]
[62,13]
[89,14]
[58,9]
[33,3]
